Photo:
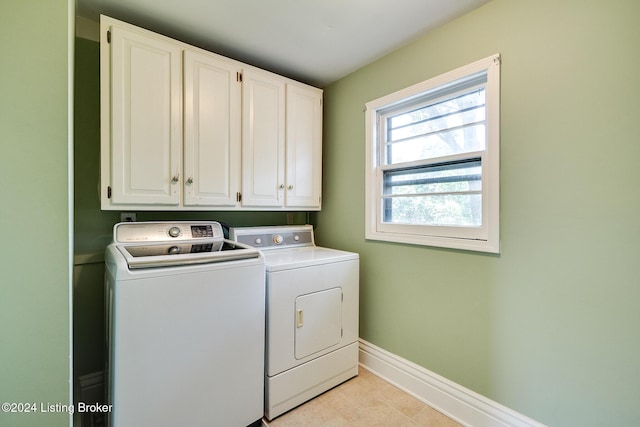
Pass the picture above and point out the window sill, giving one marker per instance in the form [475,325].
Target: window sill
[487,246]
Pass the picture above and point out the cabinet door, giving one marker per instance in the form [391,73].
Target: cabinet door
[263,136]
[212,130]
[146,124]
[304,147]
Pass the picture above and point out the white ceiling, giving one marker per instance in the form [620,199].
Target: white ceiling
[314,41]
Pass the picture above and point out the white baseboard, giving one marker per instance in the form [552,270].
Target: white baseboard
[457,402]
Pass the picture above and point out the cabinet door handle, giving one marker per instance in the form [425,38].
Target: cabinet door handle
[291,187]
[281,187]
[176,178]
[190,180]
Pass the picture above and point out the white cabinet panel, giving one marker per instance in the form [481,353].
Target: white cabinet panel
[146,121]
[304,147]
[212,130]
[282,148]
[263,139]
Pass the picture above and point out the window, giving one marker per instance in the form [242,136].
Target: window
[433,161]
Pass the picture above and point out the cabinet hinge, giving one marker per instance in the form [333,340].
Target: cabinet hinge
[238,197]
[108,36]
[239,76]
[108,192]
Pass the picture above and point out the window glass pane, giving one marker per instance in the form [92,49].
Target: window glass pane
[438,210]
[455,111]
[445,143]
[451,126]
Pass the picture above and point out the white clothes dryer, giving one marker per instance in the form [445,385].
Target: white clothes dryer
[312,314]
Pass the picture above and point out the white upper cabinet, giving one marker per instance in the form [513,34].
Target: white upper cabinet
[146,125]
[263,140]
[186,129]
[282,143]
[303,186]
[211,130]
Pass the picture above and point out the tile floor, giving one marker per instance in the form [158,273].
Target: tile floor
[366,401]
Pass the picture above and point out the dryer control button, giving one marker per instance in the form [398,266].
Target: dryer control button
[277,239]
[258,241]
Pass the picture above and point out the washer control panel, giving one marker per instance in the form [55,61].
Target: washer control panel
[129,232]
[285,236]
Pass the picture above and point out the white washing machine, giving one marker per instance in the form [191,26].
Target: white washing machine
[185,326]
[312,314]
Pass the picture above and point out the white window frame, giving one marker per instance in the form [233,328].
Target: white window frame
[486,237]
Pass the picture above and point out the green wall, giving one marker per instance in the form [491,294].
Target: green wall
[551,326]
[34,212]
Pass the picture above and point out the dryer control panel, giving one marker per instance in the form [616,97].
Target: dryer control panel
[286,236]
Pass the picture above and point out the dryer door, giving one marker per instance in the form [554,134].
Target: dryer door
[318,321]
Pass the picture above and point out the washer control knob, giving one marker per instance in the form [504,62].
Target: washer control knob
[174,231]
[173,250]
[296,237]
[277,239]
[258,241]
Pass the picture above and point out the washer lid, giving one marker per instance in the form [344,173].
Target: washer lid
[184,253]
[164,244]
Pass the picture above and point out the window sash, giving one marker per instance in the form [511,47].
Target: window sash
[460,207]
[414,108]
[388,140]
